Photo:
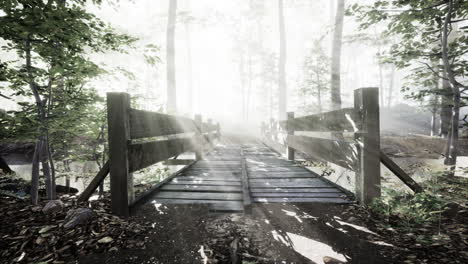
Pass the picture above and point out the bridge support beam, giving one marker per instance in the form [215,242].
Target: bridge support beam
[366,103]
[121,180]
[290,130]
[199,143]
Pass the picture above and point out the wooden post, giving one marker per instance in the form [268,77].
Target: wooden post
[121,180]
[290,130]
[199,138]
[366,103]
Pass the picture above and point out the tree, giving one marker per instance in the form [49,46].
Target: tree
[420,25]
[51,38]
[282,63]
[170,56]
[335,87]
[314,83]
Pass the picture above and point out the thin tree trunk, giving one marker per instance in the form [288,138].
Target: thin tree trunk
[282,101]
[189,73]
[445,107]
[35,173]
[170,55]
[381,88]
[452,142]
[336,57]
[319,94]
[390,87]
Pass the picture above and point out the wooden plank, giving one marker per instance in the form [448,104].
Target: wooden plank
[200,188]
[208,202]
[151,124]
[400,173]
[147,194]
[212,178]
[366,101]
[291,169]
[294,190]
[290,130]
[180,182]
[300,195]
[291,175]
[247,201]
[177,162]
[95,182]
[339,152]
[302,200]
[289,184]
[142,155]
[199,195]
[339,120]
[121,179]
[231,207]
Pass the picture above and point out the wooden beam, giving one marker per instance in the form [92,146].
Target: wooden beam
[290,131]
[177,161]
[338,120]
[246,198]
[151,124]
[95,182]
[147,194]
[198,137]
[366,103]
[121,180]
[339,152]
[400,173]
[142,155]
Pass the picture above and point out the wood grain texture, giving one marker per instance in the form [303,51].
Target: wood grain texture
[339,152]
[151,124]
[95,182]
[339,120]
[142,155]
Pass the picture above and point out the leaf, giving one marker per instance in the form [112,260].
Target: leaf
[105,240]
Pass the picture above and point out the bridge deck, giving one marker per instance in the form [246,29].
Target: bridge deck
[217,180]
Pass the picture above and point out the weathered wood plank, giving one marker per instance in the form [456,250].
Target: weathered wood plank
[95,182]
[121,179]
[181,182]
[400,173]
[300,195]
[295,190]
[177,162]
[199,196]
[291,175]
[289,184]
[341,153]
[247,200]
[201,188]
[302,200]
[151,124]
[212,178]
[208,202]
[147,194]
[366,101]
[339,120]
[142,155]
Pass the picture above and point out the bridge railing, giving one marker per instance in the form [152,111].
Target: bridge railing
[360,154]
[138,139]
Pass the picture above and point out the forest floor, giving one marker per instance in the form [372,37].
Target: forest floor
[273,233]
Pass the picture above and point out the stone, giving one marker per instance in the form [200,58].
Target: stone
[53,206]
[79,216]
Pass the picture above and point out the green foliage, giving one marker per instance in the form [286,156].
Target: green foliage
[418,25]
[315,79]
[58,36]
[417,209]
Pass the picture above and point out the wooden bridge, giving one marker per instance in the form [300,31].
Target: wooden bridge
[233,176]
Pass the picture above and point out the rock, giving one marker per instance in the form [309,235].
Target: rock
[78,216]
[53,206]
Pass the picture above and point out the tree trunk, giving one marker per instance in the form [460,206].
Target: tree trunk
[445,107]
[4,166]
[170,56]
[390,87]
[381,88]
[189,70]
[336,57]
[35,173]
[452,141]
[282,101]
